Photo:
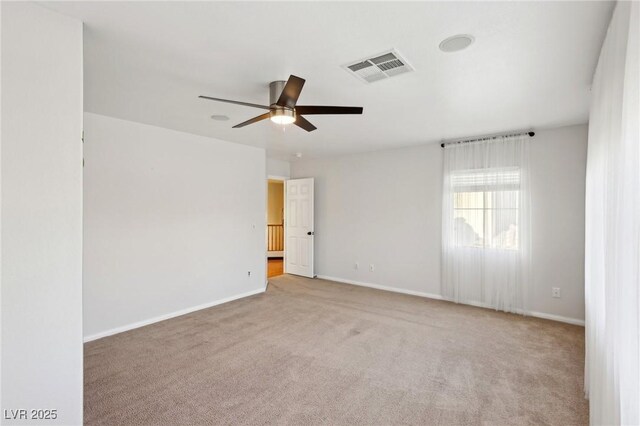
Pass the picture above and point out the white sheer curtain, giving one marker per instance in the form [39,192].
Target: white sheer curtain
[486,223]
[612,256]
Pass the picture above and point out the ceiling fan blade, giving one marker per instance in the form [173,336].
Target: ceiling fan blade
[253,120]
[235,102]
[304,123]
[291,92]
[318,109]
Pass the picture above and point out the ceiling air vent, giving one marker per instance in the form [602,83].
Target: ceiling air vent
[379,67]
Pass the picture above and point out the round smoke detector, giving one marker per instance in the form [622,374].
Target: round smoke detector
[456,43]
[219,117]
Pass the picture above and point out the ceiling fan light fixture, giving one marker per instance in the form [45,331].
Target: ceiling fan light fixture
[283,116]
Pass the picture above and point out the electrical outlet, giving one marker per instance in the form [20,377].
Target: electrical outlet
[555,292]
[371,268]
[356,266]
[248,273]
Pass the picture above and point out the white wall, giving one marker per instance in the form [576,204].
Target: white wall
[41,213]
[558,171]
[384,208]
[278,168]
[173,221]
[380,208]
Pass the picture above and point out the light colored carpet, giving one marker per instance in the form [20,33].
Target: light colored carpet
[317,352]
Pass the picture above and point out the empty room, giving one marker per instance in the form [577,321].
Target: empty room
[337,213]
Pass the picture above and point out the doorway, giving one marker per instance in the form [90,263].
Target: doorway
[275,227]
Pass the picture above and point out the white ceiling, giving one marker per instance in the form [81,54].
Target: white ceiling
[530,67]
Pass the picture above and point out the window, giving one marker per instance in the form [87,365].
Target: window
[486,227]
[485,208]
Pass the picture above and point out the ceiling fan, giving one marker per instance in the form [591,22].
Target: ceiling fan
[283,96]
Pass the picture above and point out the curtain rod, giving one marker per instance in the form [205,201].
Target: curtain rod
[531,134]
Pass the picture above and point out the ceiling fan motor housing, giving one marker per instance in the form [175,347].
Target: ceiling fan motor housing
[275,90]
[279,114]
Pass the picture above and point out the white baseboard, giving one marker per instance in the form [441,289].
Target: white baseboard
[543,315]
[382,287]
[159,318]
[558,318]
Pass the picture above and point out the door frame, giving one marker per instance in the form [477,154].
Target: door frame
[284,213]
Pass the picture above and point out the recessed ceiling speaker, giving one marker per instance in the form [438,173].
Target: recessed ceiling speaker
[456,43]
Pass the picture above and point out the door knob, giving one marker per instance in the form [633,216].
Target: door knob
[310,233]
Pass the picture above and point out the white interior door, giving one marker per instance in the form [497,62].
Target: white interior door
[298,224]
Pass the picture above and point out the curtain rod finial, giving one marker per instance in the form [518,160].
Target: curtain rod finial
[532,134]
